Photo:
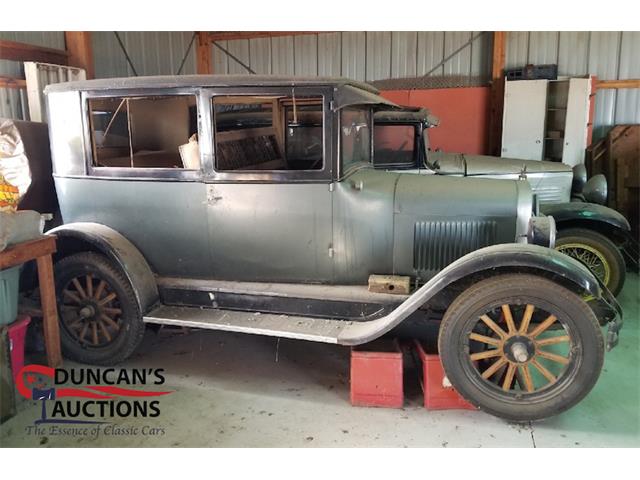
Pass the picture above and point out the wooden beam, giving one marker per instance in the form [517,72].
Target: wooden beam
[203,54]
[11,82]
[23,252]
[23,52]
[497,92]
[220,36]
[80,50]
[631,83]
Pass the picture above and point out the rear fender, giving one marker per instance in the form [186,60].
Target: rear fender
[85,236]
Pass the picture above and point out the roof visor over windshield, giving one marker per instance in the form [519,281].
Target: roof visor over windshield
[346,96]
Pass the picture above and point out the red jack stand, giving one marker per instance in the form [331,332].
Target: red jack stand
[376,375]
[438,395]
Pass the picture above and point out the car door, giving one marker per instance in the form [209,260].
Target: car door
[145,177]
[269,197]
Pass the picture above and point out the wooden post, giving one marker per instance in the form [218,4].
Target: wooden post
[49,310]
[80,51]
[203,54]
[497,93]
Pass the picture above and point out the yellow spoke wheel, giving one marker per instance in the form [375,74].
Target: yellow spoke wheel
[520,346]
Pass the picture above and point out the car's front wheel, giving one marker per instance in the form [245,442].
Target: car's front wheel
[521,347]
[597,253]
[100,322]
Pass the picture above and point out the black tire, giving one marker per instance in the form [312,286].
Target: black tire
[585,352]
[605,248]
[130,329]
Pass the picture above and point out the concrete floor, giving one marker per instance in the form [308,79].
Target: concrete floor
[234,390]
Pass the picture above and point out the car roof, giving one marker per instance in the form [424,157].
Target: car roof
[176,81]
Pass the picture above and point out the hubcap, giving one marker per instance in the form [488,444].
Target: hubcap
[517,358]
[90,311]
[591,258]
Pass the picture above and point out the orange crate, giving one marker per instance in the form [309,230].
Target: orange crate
[376,375]
[436,395]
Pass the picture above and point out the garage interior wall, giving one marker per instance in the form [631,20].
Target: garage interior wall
[367,56]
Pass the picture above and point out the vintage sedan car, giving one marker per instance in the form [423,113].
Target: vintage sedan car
[594,234]
[250,204]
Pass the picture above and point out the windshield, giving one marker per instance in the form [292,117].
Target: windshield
[394,145]
[355,137]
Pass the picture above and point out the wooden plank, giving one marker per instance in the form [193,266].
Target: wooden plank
[25,251]
[395,284]
[204,65]
[630,83]
[35,94]
[80,50]
[23,52]
[49,311]
[12,82]
[497,92]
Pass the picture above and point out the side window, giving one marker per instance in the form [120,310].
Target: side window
[261,133]
[145,132]
[355,137]
[394,145]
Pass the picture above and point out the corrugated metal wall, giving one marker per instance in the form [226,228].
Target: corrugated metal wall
[13,102]
[368,56]
[364,56]
[152,53]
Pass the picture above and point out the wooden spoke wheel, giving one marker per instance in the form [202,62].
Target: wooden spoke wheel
[99,314]
[90,310]
[517,338]
[521,347]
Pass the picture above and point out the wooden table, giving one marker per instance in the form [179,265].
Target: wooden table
[40,250]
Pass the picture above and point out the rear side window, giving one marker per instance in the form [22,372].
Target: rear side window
[394,145]
[145,132]
[262,133]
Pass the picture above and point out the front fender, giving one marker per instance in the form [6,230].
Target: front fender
[118,249]
[509,255]
[585,213]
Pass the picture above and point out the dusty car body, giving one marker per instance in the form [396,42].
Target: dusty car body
[575,202]
[250,204]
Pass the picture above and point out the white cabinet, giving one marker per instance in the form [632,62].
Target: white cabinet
[523,121]
[546,119]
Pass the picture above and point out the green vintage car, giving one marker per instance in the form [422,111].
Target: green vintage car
[595,235]
[249,204]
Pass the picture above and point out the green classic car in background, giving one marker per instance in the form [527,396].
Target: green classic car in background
[250,204]
[597,236]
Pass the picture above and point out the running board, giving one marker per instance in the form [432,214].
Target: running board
[285,326]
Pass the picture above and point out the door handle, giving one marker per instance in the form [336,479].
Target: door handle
[213,199]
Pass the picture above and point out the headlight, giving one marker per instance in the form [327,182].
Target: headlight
[579,178]
[595,190]
[542,231]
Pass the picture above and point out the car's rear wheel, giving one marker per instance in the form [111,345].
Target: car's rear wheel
[597,253]
[99,315]
[521,347]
